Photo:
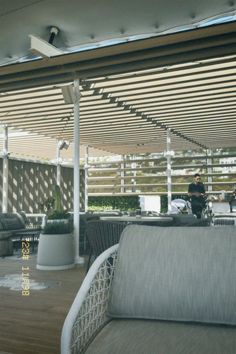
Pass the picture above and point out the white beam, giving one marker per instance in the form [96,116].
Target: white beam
[39,46]
[5,171]
[168,171]
[86,167]
[122,175]
[58,164]
[78,259]
[209,170]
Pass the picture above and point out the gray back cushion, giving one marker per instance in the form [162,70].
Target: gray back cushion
[11,221]
[181,274]
[1,226]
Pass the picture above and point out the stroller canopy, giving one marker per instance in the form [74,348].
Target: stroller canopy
[179,206]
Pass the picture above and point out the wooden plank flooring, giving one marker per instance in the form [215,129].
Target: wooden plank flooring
[32,324]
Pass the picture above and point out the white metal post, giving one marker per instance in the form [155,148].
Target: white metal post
[133,180]
[58,164]
[168,171]
[209,170]
[78,259]
[122,175]
[5,171]
[86,167]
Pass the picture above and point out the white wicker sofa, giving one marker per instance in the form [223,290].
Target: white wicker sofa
[161,291]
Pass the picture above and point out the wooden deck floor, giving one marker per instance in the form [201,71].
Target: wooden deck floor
[32,324]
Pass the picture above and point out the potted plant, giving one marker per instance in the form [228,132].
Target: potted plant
[56,246]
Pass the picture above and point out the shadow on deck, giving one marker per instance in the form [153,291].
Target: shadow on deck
[32,324]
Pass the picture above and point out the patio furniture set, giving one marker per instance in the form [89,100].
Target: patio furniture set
[106,231]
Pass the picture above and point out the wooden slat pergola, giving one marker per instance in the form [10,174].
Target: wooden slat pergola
[130,112]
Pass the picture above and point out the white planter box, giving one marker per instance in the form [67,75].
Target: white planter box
[150,203]
[55,252]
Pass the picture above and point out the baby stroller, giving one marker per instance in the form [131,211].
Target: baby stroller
[207,210]
[180,206]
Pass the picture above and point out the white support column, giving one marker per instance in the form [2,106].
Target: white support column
[122,175]
[133,180]
[5,171]
[58,164]
[209,170]
[86,167]
[78,259]
[168,170]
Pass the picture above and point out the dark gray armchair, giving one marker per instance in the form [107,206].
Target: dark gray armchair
[101,235]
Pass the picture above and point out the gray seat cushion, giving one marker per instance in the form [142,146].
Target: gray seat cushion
[6,244]
[156,337]
[180,274]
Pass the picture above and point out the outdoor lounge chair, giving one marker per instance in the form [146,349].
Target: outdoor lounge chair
[166,291]
[101,235]
[16,227]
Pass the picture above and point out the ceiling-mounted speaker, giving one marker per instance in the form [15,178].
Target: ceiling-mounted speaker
[63,145]
[68,93]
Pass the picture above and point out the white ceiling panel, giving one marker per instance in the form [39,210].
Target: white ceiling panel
[87,23]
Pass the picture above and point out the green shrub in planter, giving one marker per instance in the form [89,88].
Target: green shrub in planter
[52,206]
[58,215]
[57,227]
[56,252]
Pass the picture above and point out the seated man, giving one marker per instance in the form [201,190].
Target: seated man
[196,191]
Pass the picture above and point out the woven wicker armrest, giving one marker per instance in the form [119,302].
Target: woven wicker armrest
[87,314]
